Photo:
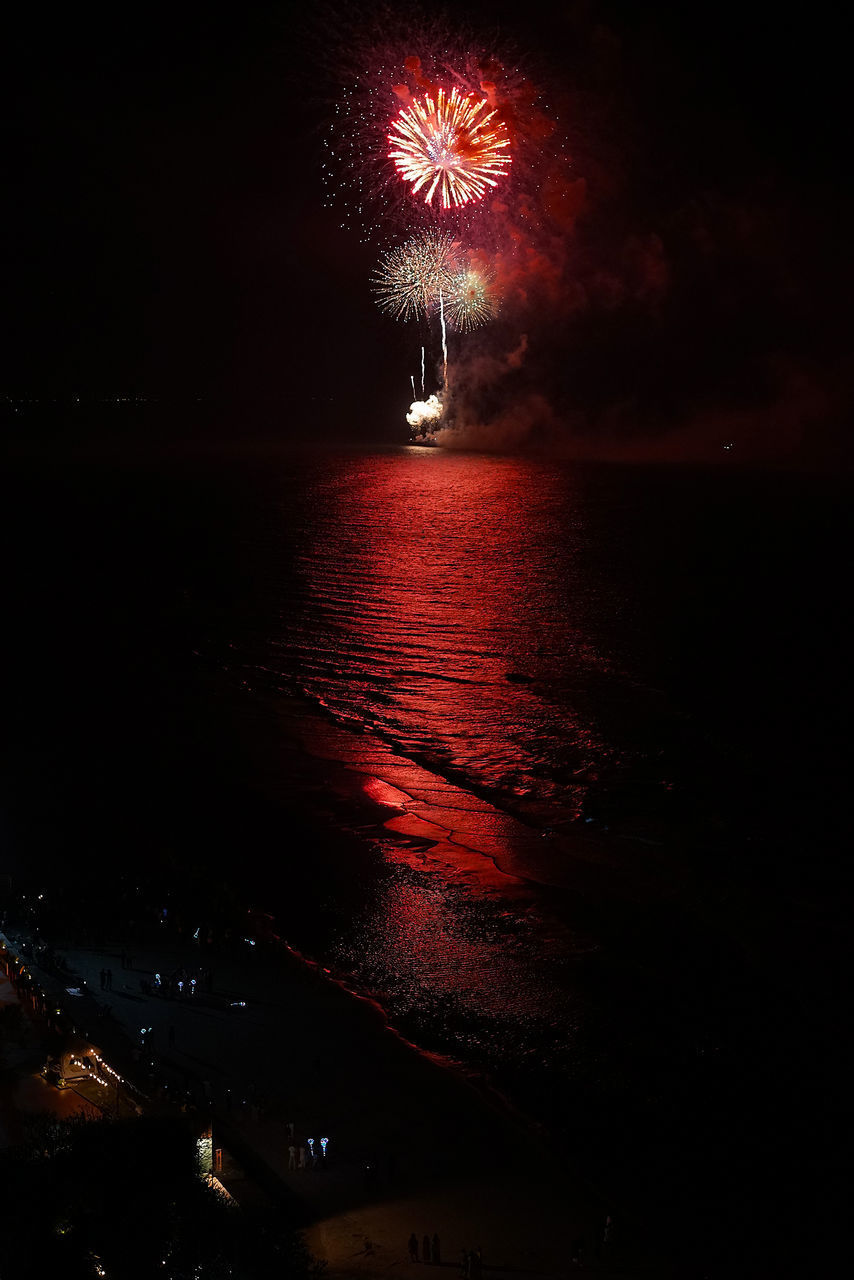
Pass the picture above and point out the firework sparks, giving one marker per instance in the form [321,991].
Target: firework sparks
[451,144]
[410,277]
[470,300]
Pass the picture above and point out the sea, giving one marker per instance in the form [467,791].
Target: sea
[547,758]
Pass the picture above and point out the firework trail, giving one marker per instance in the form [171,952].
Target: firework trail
[444,339]
[451,144]
[422,373]
[412,380]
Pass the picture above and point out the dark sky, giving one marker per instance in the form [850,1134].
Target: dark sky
[165,231]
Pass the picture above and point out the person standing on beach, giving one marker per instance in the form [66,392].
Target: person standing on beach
[103,979]
[437,1253]
[109,979]
[413,1248]
[292,1157]
[425,1248]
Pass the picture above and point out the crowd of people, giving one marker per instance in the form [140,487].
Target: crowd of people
[179,985]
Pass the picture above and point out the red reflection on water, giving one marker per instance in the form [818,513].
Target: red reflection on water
[440,583]
[453,577]
[438,838]
[455,595]
[440,614]
[384,793]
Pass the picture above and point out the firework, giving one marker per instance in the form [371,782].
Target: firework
[411,277]
[470,299]
[451,144]
[424,414]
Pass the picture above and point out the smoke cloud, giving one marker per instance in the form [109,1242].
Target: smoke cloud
[649,307]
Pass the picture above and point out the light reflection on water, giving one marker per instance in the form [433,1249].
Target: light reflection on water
[442,605]
[461,620]
[468,973]
[443,601]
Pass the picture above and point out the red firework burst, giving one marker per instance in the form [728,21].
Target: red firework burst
[453,145]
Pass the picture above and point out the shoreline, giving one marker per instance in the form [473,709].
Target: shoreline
[396,795]
[729,956]
[338,820]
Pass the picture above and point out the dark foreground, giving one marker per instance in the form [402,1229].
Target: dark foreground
[703,1080]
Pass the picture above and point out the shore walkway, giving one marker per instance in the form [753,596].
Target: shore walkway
[280,1053]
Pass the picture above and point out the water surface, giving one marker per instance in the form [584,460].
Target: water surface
[596,707]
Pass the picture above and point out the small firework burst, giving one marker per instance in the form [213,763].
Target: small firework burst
[411,277]
[452,144]
[470,300]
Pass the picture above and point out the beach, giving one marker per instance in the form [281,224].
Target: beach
[413,1145]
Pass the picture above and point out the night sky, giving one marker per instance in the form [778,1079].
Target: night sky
[166,233]
[168,241]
